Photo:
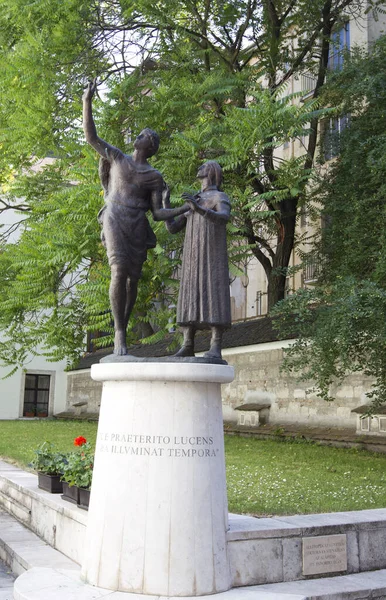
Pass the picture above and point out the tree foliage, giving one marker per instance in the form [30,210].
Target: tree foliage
[211,77]
[342,322]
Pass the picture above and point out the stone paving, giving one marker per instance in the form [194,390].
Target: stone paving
[6,582]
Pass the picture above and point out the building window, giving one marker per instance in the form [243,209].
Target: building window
[311,268]
[325,221]
[365,424]
[340,42]
[36,395]
[333,129]
[307,84]
[304,140]
[288,288]
[259,303]
[303,217]
[382,423]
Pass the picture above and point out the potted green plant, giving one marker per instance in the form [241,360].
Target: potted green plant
[77,474]
[49,464]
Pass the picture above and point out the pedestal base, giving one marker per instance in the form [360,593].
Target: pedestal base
[158,509]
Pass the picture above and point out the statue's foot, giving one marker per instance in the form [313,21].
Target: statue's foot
[185,351]
[213,352]
[120,348]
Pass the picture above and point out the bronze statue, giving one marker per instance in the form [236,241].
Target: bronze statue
[132,187]
[204,298]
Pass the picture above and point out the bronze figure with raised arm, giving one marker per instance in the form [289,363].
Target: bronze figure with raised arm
[131,188]
[204,298]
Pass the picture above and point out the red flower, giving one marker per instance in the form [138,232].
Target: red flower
[79,441]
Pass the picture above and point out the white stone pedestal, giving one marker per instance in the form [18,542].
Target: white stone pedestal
[158,511]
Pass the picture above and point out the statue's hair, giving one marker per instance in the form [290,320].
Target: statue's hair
[214,173]
[154,137]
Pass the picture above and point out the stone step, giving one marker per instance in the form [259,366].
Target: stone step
[59,584]
[371,585]
[21,549]
[49,575]
[58,523]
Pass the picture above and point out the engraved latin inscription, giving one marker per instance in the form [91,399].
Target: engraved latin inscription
[324,554]
[139,444]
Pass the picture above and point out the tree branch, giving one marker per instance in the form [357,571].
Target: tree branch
[323,64]
[328,13]
[253,241]
[286,13]
[8,206]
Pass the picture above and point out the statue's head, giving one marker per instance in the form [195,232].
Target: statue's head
[212,170]
[147,140]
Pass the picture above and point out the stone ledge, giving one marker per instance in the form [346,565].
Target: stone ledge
[346,587]
[245,528]
[57,522]
[150,372]
[269,550]
[72,416]
[329,436]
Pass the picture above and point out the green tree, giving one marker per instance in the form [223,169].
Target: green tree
[210,77]
[342,322]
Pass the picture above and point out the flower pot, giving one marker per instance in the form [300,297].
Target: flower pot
[84,498]
[42,415]
[70,493]
[50,483]
[29,414]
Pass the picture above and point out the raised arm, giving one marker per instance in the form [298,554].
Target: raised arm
[102,147]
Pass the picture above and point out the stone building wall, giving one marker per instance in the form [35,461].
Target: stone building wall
[83,394]
[258,380]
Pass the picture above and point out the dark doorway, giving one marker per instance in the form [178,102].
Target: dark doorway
[36,395]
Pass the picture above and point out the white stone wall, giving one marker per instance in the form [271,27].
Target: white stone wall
[375,27]
[12,388]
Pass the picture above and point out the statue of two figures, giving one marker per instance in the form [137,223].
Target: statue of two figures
[131,188]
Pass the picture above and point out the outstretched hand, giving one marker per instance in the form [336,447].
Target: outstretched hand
[190,200]
[90,90]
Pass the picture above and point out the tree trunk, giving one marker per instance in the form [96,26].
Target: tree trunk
[276,289]
[284,248]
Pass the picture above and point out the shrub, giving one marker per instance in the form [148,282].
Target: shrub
[48,460]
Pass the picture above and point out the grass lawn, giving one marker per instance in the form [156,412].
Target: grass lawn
[18,439]
[264,477]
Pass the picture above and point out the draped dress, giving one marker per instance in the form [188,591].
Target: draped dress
[204,296]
